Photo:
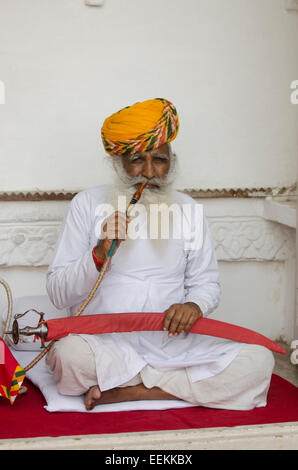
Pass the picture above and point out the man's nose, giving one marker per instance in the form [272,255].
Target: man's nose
[148,170]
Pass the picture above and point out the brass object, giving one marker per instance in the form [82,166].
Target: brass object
[41,330]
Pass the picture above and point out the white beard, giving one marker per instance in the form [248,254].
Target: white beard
[163,194]
[126,186]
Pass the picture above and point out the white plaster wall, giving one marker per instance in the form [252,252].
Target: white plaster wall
[253,296]
[226,64]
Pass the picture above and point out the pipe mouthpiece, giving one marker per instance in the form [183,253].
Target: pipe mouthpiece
[138,193]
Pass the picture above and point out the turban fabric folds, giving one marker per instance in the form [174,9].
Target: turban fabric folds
[141,127]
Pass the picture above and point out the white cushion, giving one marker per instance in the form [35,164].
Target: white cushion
[41,376]
[41,303]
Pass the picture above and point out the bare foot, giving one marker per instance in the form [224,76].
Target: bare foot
[92,397]
[116,395]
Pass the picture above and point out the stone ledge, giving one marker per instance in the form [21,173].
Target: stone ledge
[279,436]
[283,212]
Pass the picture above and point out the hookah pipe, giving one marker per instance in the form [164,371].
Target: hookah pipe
[41,329]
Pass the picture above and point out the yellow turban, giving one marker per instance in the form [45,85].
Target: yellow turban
[140,128]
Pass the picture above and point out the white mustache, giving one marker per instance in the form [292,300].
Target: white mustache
[159,182]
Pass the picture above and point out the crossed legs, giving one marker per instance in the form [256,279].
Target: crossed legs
[243,385]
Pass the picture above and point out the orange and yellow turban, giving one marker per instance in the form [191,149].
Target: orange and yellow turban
[140,128]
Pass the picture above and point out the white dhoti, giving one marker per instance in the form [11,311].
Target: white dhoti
[242,385]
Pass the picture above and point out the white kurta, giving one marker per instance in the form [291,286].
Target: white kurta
[142,278]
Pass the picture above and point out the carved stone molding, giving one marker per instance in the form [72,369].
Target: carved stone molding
[29,232]
[32,241]
[248,238]
[28,245]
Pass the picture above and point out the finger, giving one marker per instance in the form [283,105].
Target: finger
[184,322]
[117,217]
[118,232]
[175,321]
[124,219]
[191,321]
[121,222]
[168,317]
[116,229]
[121,217]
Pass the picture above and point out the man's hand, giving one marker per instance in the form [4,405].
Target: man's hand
[115,227]
[181,317]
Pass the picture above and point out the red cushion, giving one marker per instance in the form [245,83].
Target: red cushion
[28,418]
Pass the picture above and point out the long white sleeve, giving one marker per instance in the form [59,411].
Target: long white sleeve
[202,275]
[72,273]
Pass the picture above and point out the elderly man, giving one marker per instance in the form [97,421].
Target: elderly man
[177,275]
